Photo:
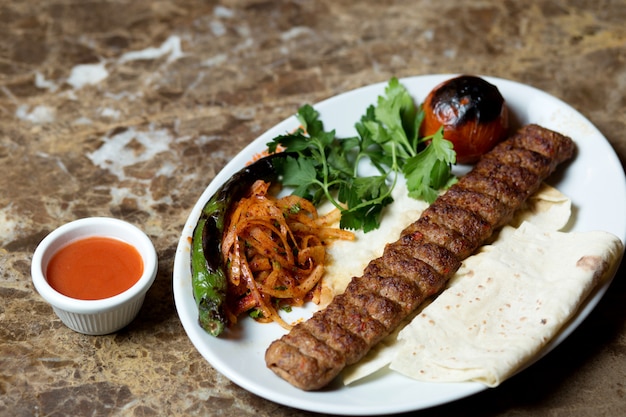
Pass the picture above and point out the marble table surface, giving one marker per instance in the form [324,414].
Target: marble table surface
[128,109]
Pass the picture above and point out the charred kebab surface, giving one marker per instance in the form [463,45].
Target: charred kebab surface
[420,263]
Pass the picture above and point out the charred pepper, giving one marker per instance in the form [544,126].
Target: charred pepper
[208,271]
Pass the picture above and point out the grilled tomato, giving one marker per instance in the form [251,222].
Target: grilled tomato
[472,112]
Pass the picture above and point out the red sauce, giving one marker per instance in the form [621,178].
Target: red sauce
[94,268]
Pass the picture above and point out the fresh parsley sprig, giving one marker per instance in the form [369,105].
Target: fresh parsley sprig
[324,167]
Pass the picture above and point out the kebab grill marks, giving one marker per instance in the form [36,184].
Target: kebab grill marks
[420,263]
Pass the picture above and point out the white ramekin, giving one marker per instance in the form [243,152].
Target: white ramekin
[95,317]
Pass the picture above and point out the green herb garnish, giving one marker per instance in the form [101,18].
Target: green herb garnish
[325,167]
[256,313]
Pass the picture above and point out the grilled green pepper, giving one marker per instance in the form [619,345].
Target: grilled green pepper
[208,273]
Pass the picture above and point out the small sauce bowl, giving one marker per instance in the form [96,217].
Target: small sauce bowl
[96,316]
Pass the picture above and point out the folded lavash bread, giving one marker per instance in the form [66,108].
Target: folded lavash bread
[504,304]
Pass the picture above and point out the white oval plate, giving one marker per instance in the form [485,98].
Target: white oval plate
[240,356]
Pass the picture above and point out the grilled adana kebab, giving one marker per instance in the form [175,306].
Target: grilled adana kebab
[420,263]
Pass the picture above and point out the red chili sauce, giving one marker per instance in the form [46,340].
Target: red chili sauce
[94,268]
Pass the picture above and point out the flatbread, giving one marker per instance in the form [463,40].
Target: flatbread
[504,304]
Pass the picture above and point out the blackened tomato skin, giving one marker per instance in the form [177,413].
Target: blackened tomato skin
[473,113]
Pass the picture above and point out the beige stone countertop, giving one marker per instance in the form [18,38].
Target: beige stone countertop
[128,109]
